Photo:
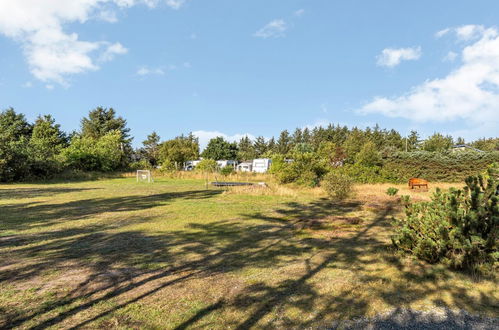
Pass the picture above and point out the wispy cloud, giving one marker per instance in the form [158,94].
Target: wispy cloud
[111,51]
[450,57]
[274,29]
[145,71]
[299,12]
[391,57]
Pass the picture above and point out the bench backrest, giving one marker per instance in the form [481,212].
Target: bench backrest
[417,181]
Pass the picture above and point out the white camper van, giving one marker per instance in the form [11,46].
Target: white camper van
[261,165]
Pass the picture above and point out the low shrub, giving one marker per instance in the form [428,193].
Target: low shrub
[226,170]
[458,227]
[305,169]
[207,165]
[337,185]
[392,191]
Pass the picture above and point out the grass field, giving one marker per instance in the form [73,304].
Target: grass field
[118,254]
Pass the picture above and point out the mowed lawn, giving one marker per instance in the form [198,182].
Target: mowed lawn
[120,254]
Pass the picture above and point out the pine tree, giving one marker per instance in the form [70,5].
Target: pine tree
[260,146]
[284,143]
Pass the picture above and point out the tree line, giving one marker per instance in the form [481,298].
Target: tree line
[103,143]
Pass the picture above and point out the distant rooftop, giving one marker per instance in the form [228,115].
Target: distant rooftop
[465,146]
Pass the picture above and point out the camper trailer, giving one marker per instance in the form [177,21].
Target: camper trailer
[261,165]
[245,167]
[226,163]
[191,165]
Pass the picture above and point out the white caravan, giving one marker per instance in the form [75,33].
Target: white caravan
[245,167]
[261,165]
[226,163]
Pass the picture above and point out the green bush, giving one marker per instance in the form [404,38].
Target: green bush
[392,191]
[337,185]
[362,174]
[207,165]
[100,154]
[305,169]
[435,166]
[458,227]
[227,170]
[143,164]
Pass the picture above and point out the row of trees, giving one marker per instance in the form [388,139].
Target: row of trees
[103,143]
[42,149]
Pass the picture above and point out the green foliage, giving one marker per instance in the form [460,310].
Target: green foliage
[491,144]
[337,185]
[354,142]
[142,164]
[45,145]
[227,170]
[435,166]
[219,149]
[362,174]
[261,147]
[174,153]
[283,145]
[15,133]
[246,149]
[438,142]
[207,165]
[89,154]
[392,191]
[305,169]
[368,155]
[458,227]
[101,122]
[151,148]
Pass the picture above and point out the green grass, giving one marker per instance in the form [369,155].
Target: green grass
[117,254]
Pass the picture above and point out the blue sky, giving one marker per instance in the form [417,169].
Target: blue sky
[254,67]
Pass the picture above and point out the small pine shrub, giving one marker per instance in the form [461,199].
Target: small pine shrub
[337,185]
[458,227]
[226,170]
[392,191]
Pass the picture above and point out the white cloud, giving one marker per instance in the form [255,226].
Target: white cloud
[108,16]
[205,137]
[469,32]
[111,51]
[391,57]
[52,53]
[274,29]
[451,56]
[441,33]
[299,12]
[145,71]
[469,93]
[175,4]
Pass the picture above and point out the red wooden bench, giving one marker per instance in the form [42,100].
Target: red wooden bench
[419,183]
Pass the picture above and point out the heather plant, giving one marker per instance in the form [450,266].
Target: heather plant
[457,227]
[337,185]
[392,191]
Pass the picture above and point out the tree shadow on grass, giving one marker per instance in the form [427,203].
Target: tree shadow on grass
[115,266]
[17,193]
[33,214]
